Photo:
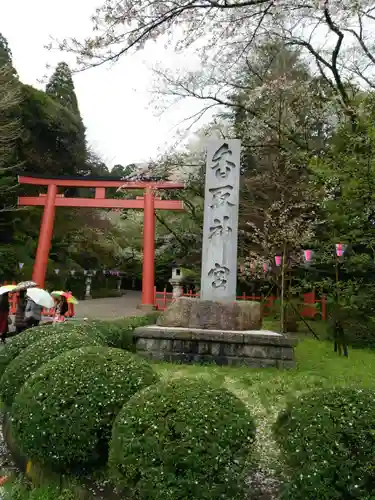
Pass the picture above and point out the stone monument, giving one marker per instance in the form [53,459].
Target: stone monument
[216,327]
[220,230]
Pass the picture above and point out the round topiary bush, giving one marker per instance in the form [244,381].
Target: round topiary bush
[92,328]
[328,440]
[30,359]
[119,333]
[185,439]
[63,415]
[116,333]
[29,337]
[20,342]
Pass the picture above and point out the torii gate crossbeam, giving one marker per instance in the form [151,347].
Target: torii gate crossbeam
[148,203]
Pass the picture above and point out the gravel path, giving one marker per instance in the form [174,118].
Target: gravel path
[110,308]
[107,308]
[7,466]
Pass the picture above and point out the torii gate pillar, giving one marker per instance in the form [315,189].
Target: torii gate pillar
[45,237]
[148,273]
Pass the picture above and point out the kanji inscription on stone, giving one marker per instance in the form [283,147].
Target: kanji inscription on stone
[219,226]
[222,161]
[220,196]
[220,230]
[219,276]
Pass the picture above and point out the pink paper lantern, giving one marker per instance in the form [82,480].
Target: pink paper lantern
[265,267]
[340,249]
[307,255]
[278,260]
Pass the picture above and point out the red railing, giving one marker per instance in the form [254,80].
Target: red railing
[13,300]
[309,309]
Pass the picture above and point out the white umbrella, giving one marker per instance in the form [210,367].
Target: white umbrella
[7,289]
[40,297]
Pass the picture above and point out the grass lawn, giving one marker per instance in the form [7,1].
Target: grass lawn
[265,391]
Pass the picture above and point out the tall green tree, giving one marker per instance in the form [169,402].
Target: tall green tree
[10,125]
[10,134]
[54,139]
[121,171]
[61,88]
[6,54]
[345,180]
[95,165]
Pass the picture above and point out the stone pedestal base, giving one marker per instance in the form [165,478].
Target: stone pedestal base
[186,312]
[253,348]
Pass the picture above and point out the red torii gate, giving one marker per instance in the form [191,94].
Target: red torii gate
[148,203]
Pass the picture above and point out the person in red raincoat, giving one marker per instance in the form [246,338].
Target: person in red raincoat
[4,316]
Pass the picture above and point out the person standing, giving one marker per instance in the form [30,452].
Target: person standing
[61,309]
[20,321]
[33,313]
[4,316]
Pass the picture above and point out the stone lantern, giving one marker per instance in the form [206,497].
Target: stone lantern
[89,273]
[177,282]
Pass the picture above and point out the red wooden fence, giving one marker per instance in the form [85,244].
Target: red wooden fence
[13,299]
[312,306]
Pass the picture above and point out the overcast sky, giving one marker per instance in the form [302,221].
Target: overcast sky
[114,101]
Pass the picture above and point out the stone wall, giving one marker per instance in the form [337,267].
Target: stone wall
[255,349]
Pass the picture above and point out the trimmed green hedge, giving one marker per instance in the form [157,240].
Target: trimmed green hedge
[63,415]
[119,333]
[359,328]
[30,359]
[186,439]
[328,440]
[360,332]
